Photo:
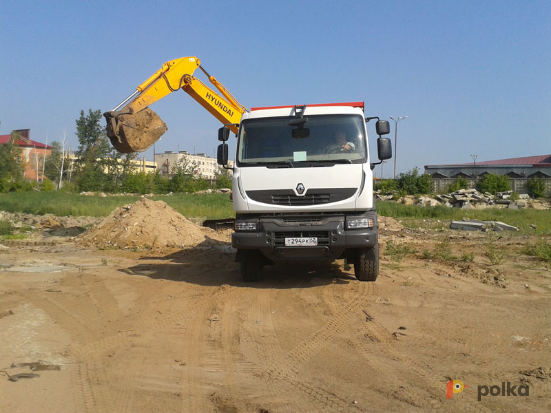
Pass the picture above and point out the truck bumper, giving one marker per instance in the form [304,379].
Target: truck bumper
[333,240]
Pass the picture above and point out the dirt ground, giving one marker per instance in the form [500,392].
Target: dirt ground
[139,330]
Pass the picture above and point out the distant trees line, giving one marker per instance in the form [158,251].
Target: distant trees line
[96,167]
[414,183]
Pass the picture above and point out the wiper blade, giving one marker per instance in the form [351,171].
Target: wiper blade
[331,161]
[284,164]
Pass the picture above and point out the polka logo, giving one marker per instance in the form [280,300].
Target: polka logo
[455,386]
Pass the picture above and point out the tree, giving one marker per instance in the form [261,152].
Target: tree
[412,183]
[493,183]
[536,187]
[91,136]
[457,184]
[52,166]
[223,179]
[11,163]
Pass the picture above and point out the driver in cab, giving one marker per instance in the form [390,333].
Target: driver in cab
[341,144]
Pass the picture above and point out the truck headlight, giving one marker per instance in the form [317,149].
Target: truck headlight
[356,223]
[246,225]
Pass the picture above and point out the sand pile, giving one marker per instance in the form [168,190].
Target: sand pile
[146,224]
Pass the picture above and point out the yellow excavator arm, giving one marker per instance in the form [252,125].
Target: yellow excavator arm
[133,127]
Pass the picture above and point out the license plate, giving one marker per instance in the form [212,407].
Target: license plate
[301,242]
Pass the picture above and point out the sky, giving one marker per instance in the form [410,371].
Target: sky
[472,77]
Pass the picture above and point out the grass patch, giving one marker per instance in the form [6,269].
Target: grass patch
[211,206]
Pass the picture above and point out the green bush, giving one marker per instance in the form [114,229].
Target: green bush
[386,186]
[536,187]
[139,183]
[6,228]
[47,185]
[70,187]
[411,183]
[493,183]
[23,185]
[5,185]
[457,184]
[223,180]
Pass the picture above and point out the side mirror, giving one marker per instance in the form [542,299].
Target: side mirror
[222,154]
[384,147]
[382,127]
[223,134]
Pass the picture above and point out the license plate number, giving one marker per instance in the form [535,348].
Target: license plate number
[301,242]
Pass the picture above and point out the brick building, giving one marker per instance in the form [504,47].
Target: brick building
[32,152]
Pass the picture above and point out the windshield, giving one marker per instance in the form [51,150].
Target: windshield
[323,138]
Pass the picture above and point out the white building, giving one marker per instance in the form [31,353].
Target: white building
[201,164]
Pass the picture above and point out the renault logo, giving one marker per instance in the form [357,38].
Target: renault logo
[300,189]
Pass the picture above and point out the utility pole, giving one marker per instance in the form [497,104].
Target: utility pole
[396,139]
[474,158]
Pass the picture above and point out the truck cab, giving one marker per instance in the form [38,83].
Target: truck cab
[303,187]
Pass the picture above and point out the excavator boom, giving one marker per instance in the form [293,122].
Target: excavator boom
[133,127]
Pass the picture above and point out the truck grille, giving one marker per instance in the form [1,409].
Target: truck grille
[314,199]
[313,196]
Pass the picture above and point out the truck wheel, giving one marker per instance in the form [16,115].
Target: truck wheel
[251,266]
[366,265]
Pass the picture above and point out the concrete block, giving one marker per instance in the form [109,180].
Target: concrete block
[502,225]
[467,225]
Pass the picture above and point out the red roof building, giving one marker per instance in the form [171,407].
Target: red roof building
[32,152]
[538,166]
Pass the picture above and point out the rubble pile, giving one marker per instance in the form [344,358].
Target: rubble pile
[464,198]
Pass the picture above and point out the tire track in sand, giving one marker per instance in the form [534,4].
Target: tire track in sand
[134,346]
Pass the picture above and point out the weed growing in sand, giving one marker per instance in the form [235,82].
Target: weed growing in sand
[6,228]
[495,253]
[442,251]
[397,251]
[540,249]
[467,257]
[10,231]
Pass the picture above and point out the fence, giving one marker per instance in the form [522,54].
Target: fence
[519,185]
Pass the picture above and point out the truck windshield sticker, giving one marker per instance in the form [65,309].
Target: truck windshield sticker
[299,156]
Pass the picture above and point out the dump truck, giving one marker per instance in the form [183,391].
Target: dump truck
[302,177]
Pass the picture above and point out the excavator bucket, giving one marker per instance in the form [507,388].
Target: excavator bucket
[134,132]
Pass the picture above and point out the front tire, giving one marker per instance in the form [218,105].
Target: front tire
[366,265]
[251,266]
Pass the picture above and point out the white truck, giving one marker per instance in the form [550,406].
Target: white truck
[303,186]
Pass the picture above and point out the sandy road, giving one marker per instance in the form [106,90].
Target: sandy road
[128,332]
